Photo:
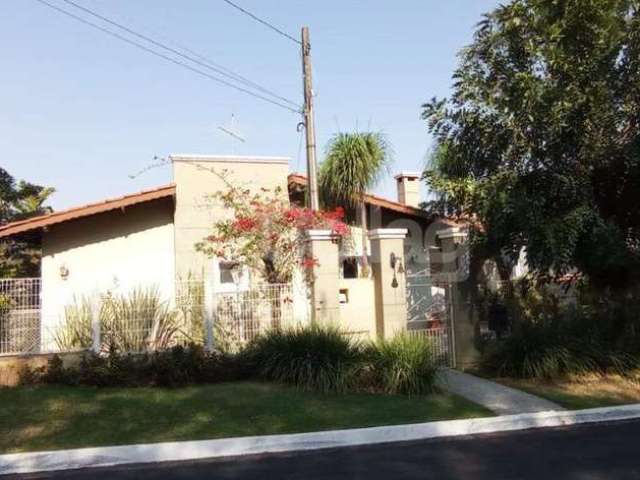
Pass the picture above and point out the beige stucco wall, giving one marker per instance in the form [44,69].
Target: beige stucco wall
[114,251]
[197,178]
[358,316]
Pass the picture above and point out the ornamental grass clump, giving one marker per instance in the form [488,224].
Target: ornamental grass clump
[403,365]
[310,358]
[559,347]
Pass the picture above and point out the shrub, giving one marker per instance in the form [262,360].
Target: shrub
[311,358]
[96,371]
[55,372]
[174,367]
[178,366]
[574,343]
[134,322]
[29,376]
[403,365]
[75,332]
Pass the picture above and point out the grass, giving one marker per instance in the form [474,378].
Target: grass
[49,418]
[583,392]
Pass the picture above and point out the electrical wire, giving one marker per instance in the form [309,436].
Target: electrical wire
[206,63]
[263,22]
[166,57]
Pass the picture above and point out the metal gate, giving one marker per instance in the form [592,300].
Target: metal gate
[429,313]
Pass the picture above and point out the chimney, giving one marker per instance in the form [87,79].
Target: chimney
[408,184]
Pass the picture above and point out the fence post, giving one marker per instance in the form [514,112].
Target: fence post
[325,295]
[209,330]
[95,327]
[451,326]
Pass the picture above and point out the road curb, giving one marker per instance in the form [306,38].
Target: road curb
[231,447]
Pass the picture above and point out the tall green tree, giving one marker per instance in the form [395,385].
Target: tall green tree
[539,144]
[353,165]
[18,201]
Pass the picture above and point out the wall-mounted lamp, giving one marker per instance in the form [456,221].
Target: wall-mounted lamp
[64,272]
[395,261]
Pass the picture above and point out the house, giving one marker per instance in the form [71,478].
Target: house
[148,238]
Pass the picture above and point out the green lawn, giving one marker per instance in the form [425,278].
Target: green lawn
[43,418]
[580,393]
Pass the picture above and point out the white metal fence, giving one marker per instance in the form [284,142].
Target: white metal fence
[439,341]
[20,293]
[20,315]
[241,316]
[141,321]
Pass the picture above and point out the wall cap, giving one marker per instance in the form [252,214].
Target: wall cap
[405,174]
[452,232]
[324,234]
[387,233]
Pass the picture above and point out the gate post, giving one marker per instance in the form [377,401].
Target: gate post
[455,265]
[325,284]
[96,340]
[388,265]
[208,309]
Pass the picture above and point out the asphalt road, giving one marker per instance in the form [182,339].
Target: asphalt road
[588,452]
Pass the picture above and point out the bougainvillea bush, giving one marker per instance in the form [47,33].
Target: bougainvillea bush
[266,233]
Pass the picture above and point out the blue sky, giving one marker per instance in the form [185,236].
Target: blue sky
[81,111]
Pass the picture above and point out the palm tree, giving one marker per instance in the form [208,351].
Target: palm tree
[31,200]
[353,165]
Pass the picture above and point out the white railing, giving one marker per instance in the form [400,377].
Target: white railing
[222,320]
[439,341]
[241,316]
[19,315]
[20,293]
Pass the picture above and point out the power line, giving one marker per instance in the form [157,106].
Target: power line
[263,22]
[207,63]
[166,57]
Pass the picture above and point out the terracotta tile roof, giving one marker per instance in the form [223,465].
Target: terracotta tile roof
[169,191]
[301,180]
[86,210]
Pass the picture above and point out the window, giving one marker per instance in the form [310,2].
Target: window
[227,271]
[350,267]
[229,277]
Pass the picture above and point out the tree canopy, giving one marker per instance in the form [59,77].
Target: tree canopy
[539,144]
[18,201]
[353,165]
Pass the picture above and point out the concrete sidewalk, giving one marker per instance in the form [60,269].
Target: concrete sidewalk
[497,398]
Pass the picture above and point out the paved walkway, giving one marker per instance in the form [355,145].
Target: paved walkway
[497,398]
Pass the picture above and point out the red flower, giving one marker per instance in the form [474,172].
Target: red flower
[340,228]
[244,224]
[308,262]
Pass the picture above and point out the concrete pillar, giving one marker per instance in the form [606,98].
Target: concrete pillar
[454,255]
[389,280]
[325,285]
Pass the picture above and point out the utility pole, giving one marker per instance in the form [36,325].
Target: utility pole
[310,130]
